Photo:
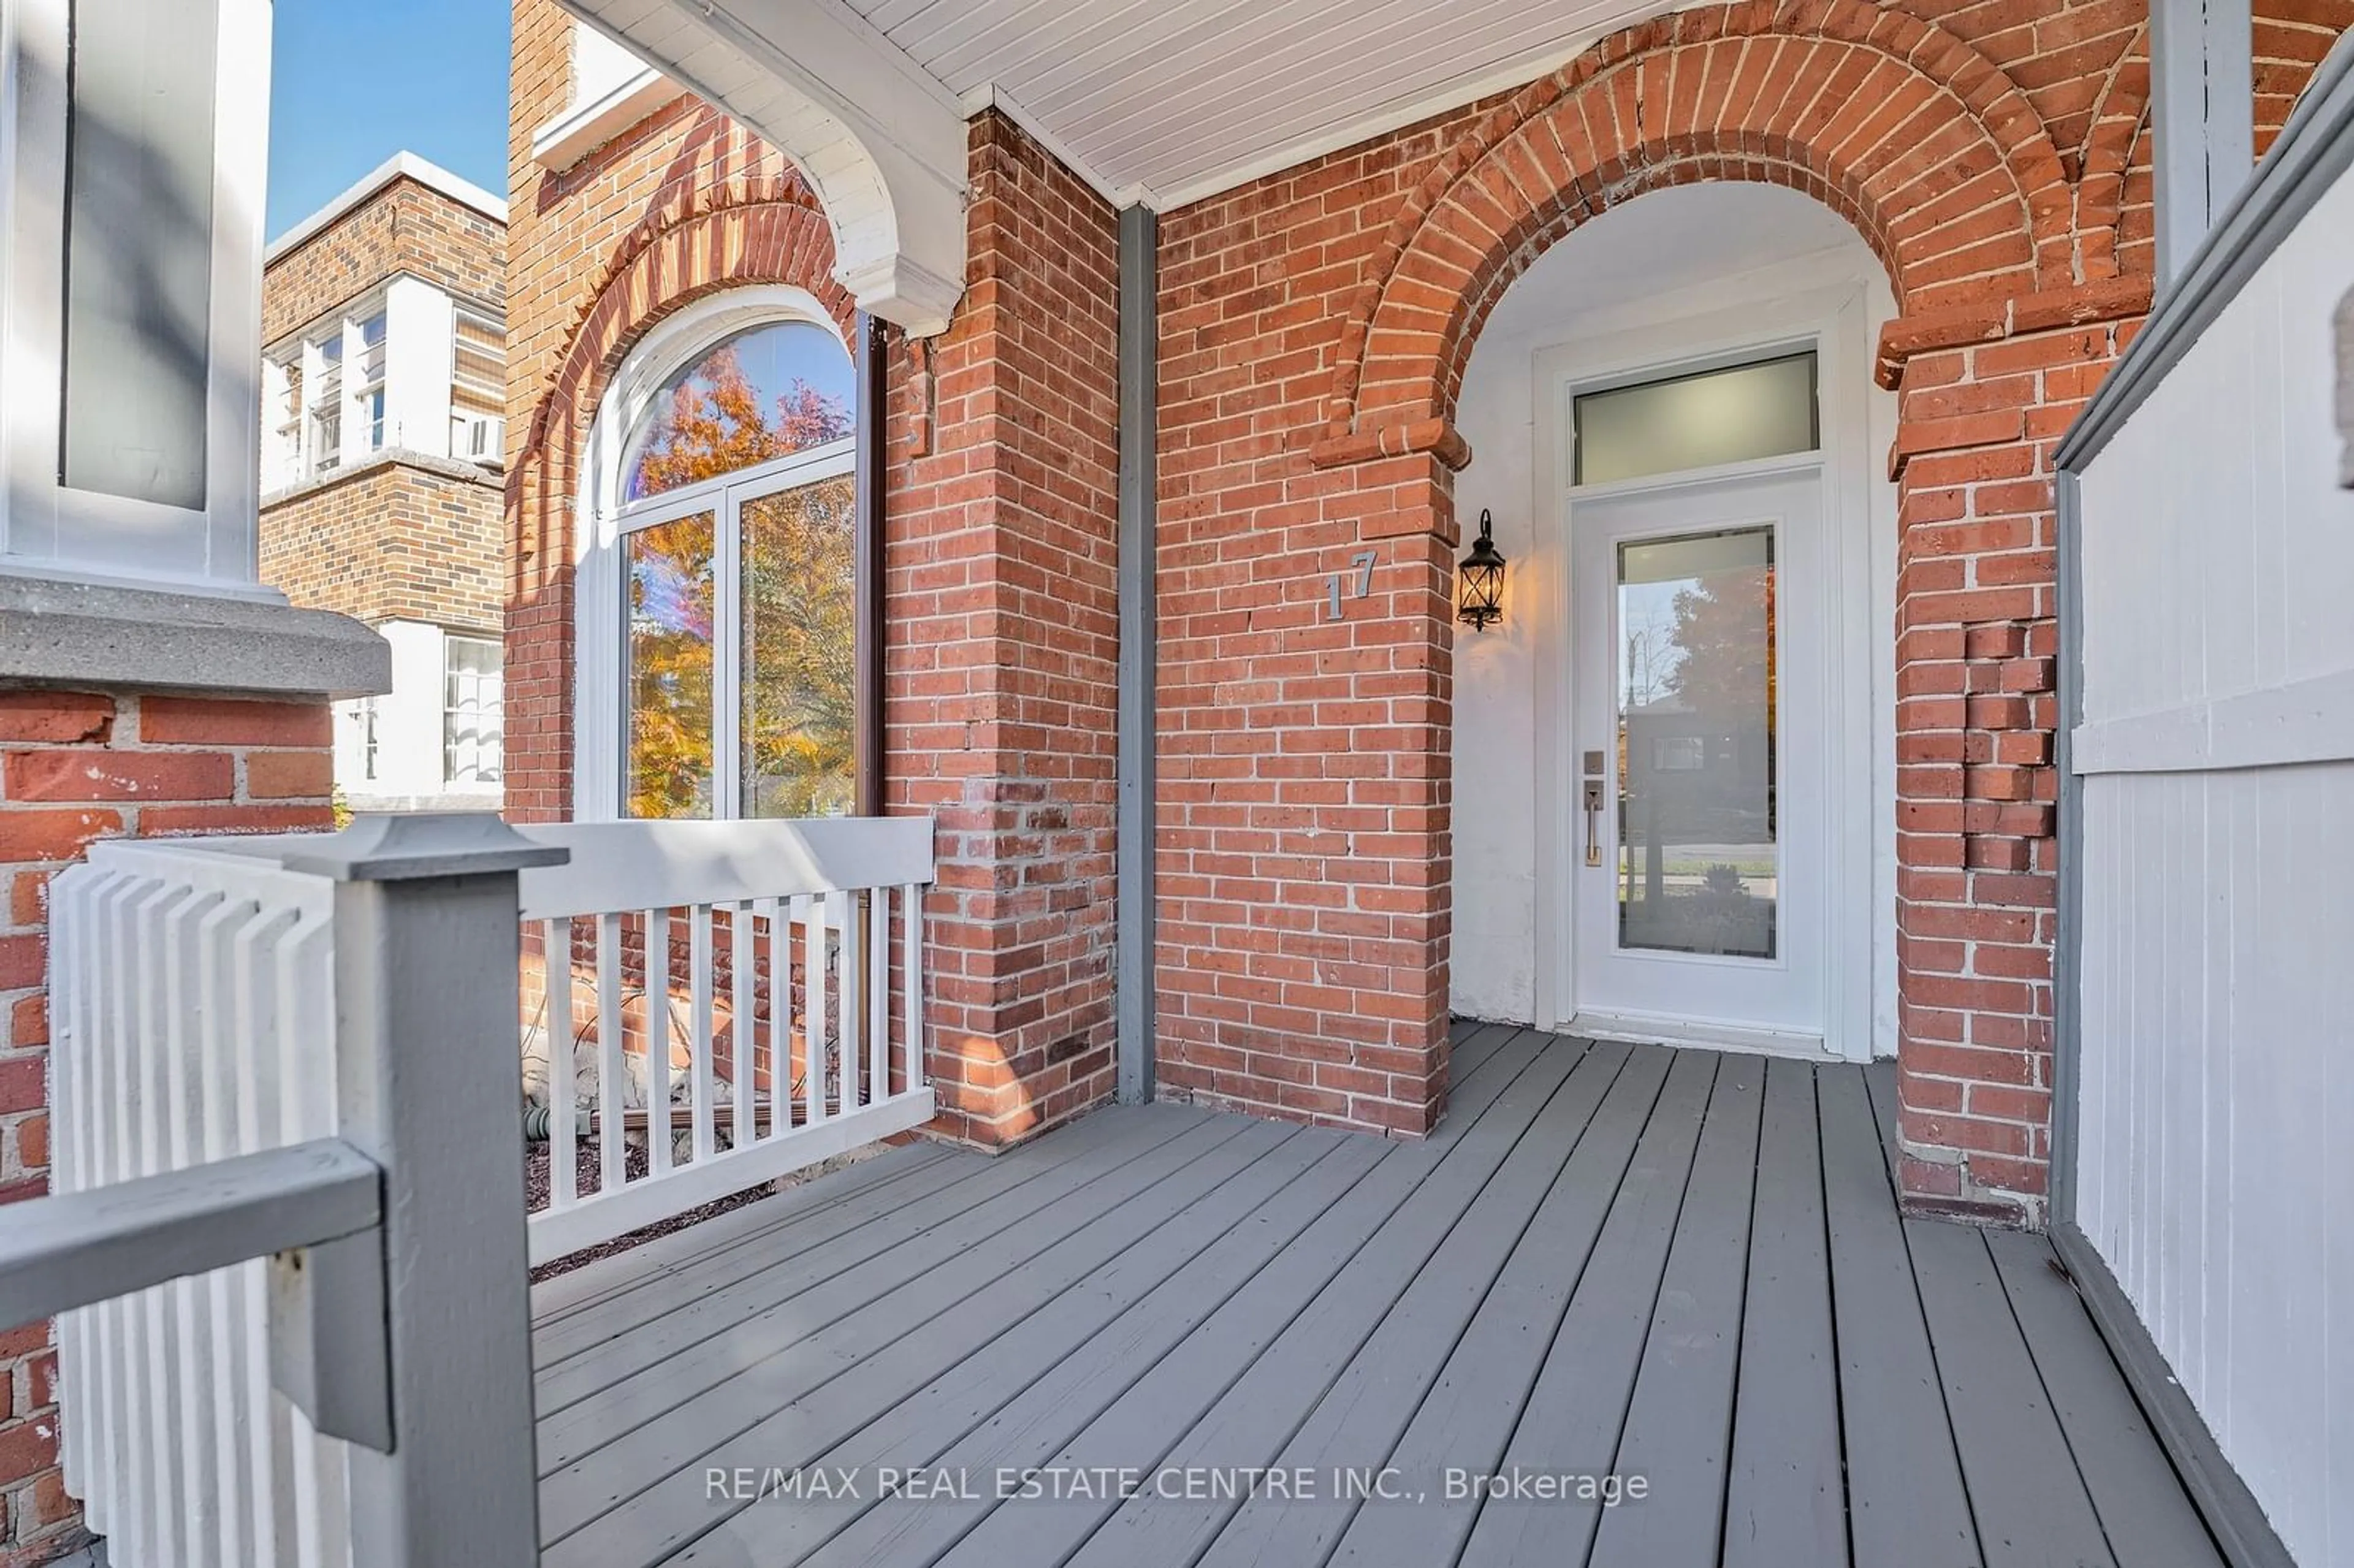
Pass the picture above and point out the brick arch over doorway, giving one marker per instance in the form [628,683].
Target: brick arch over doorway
[1364,280]
[1926,148]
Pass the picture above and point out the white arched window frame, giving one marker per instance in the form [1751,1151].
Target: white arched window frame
[605,520]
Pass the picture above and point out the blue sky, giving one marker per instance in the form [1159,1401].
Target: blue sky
[355,81]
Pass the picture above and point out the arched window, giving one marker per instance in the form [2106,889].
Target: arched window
[719,595]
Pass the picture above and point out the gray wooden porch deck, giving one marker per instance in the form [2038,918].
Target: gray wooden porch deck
[1676,1266]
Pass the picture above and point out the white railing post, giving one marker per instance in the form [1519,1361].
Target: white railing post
[427,1078]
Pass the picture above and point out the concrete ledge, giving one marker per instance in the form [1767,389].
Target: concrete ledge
[57,633]
[382,457]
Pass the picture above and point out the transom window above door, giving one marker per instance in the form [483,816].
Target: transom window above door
[1738,413]
[720,606]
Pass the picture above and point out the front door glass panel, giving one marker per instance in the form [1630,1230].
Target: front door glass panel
[1698,857]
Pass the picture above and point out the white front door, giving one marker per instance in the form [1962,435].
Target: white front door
[1702,807]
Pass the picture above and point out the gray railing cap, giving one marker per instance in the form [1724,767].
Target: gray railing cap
[407,845]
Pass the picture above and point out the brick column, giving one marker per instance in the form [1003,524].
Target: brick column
[76,767]
[1977,648]
[1306,786]
[1001,643]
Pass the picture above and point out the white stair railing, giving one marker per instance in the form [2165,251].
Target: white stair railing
[244,1028]
[298,1049]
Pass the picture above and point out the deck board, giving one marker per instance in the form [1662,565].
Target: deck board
[2143,1511]
[1676,1264]
[1258,1412]
[1136,1243]
[1786,1500]
[2024,1489]
[1395,1381]
[690,1408]
[1577,1410]
[1906,1501]
[1144,1408]
[1681,1418]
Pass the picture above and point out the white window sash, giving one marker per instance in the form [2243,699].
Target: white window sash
[603,702]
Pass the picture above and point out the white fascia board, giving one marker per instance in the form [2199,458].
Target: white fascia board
[584,127]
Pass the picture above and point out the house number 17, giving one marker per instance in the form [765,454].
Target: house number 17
[1364,563]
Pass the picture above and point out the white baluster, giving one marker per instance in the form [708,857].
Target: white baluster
[878,995]
[743,978]
[658,1127]
[705,1137]
[813,923]
[563,1069]
[780,1020]
[612,1146]
[911,986]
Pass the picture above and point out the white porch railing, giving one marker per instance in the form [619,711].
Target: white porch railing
[785,927]
[356,995]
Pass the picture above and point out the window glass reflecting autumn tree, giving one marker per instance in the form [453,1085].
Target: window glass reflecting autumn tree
[764,393]
[777,547]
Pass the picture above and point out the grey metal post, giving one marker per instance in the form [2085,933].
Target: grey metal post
[429,1082]
[1140,390]
[2203,112]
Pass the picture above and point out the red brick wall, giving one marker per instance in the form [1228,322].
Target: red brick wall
[1315,327]
[77,767]
[1001,603]
[1002,611]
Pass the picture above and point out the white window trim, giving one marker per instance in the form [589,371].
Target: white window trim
[599,697]
[462,420]
[45,528]
[492,751]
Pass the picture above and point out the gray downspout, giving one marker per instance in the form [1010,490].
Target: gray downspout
[1140,371]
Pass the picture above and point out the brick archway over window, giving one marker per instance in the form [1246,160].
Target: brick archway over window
[725,237]
[728,239]
[1933,154]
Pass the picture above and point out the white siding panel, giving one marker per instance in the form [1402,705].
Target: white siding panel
[2216,989]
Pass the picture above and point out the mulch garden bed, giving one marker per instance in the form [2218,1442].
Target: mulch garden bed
[536,1187]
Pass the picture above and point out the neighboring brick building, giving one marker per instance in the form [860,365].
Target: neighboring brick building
[1989,164]
[383,443]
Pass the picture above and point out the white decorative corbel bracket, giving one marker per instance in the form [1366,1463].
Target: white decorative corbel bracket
[880,140]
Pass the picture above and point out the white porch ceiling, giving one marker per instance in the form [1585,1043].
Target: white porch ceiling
[1171,101]
[1163,101]
[1158,101]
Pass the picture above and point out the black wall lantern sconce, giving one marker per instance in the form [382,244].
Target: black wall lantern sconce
[1481,603]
